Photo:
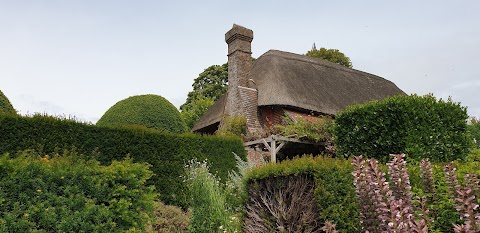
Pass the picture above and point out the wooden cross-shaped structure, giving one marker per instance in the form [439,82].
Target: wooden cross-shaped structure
[274,144]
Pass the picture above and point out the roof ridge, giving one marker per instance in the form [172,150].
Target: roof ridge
[317,61]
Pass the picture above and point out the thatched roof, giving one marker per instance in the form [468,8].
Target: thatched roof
[311,84]
[213,115]
[314,84]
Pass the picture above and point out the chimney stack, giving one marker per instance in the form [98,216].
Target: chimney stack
[239,40]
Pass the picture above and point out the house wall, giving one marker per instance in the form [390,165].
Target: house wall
[257,157]
[271,115]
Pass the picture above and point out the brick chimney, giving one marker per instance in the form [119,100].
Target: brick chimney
[239,40]
[241,99]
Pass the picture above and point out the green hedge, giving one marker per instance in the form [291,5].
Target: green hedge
[334,191]
[5,105]
[68,194]
[167,153]
[419,126]
[150,111]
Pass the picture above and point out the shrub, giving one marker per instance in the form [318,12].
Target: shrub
[235,188]
[208,198]
[233,126]
[215,204]
[151,111]
[282,204]
[334,192]
[167,153]
[336,198]
[318,131]
[474,155]
[474,130]
[169,219]
[5,105]
[53,193]
[392,205]
[419,126]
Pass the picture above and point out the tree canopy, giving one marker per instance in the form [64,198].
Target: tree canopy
[211,83]
[333,55]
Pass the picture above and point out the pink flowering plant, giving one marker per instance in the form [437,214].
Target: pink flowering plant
[387,203]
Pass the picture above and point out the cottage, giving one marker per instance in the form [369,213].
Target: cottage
[282,83]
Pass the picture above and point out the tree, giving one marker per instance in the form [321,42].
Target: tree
[211,83]
[333,55]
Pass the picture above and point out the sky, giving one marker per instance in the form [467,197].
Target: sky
[77,58]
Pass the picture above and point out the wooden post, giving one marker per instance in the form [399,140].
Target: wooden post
[273,151]
[271,144]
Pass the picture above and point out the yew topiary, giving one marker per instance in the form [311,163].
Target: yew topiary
[150,111]
[5,105]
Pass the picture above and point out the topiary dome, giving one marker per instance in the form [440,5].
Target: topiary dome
[151,111]
[5,105]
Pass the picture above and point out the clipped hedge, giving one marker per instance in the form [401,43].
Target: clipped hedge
[150,111]
[5,105]
[334,191]
[419,126]
[68,194]
[167,153]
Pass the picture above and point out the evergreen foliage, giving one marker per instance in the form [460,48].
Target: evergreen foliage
[419,126]
[150,111]
[53,193]
[167,153]
[334,192]
[5,105]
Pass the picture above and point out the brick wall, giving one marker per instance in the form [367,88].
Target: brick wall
[249,104]
[271,115]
